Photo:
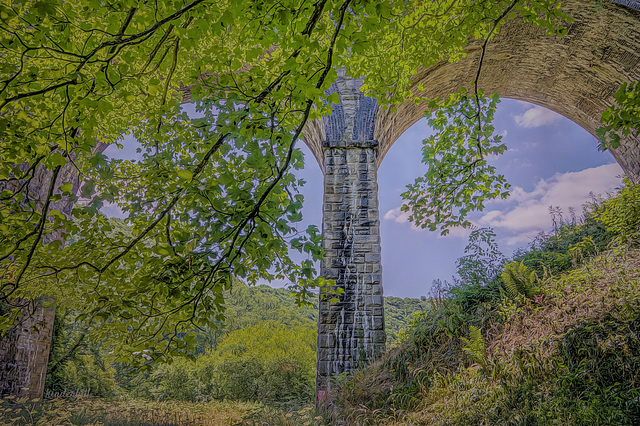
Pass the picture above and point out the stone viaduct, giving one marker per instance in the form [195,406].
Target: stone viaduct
[575,76]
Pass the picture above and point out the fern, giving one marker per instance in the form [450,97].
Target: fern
[474,346]
[519,280]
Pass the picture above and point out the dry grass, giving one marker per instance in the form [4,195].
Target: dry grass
[521,349]
[165,413]
[603,285]
[607,286]
[92,411]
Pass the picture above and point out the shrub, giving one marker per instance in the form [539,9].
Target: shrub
[621,214]
[267,362]
[519,280]
[174,381]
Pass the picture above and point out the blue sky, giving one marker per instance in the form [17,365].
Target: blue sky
[549,161]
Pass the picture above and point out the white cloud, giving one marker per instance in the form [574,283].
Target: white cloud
[526,213]
[397,215]
[458,232]
[537,117]
[530,214]
[489,216]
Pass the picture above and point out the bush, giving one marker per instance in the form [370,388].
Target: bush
[88,372]
[621,215]
[177,380]
[266,363]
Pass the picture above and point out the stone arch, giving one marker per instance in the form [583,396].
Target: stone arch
[575,75]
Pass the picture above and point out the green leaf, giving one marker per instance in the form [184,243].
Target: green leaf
[185,174]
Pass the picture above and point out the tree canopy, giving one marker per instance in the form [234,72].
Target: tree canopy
[211,197]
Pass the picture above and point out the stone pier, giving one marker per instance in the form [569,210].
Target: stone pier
[350,332]
[24,352]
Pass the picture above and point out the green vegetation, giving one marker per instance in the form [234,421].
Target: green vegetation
[498,345]
[515,349]
[263,352]
[213,197]
[519,280]
[397,314]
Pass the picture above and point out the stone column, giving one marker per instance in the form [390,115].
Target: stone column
[24,352]
[351,331]
[25,347]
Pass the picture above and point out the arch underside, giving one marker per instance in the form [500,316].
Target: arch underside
[575,75]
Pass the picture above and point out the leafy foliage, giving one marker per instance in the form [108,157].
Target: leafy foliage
[622,119]
[264,351]
[482,260]
[211,197]
[519,280]
[474,346]
[621,215]
[459,178]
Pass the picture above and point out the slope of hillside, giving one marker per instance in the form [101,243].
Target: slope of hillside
[520,349]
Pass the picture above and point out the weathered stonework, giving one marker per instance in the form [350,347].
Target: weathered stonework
[350,332]
[24,353]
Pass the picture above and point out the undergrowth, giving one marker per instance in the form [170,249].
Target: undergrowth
[553,337]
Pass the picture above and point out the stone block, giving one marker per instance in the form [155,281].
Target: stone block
[378,322]
[323,365]
[377,311]
[326,340]
[372,257]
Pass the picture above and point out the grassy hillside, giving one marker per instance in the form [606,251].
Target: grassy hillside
[523,348]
